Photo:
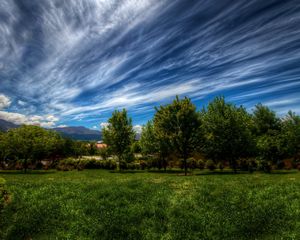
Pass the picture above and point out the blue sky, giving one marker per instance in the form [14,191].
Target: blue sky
[74,62]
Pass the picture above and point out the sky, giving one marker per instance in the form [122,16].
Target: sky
[73,62]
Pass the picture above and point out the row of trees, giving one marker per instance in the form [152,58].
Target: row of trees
[32,144]
[222,132]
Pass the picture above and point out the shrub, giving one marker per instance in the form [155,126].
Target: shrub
[67,164]
[191,163]
[104,153]
[143,165]
[201,164]
[128,156]
[210,164]
[92,164]
[3,193]
[220,166]
[264,165]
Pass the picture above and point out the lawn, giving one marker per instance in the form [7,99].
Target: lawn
[98,204]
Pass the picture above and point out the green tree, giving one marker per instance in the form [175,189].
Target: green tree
[119,135]
[227,133]
[148,141]
[177,125]
[267,129]
[265,120]
[136,147]
[290,136]
[31,144]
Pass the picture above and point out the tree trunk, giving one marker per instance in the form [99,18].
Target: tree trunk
[119,159]
[234,166]
[25,166]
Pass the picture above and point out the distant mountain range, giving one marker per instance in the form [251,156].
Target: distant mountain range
[76,133]
[5,125]
[79,133]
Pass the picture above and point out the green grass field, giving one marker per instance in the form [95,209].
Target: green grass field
[98,204]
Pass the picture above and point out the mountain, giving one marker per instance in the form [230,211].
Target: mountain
[79,133]
[5,125]
[76,133]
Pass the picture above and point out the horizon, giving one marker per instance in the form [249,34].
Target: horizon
[73,63]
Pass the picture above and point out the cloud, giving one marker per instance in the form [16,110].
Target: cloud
[21,103]
[62,126]
[137,128]
[79,60]
[4,101]
[104,125]
[17,118]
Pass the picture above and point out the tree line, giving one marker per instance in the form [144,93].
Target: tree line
[219,135]
[222,134]
[29,145]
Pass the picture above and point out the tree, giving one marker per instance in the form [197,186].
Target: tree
[265,120]
[176,125]
[227,133]
[119,135]
[148,141]
[136,147]
[267,129]
[31,144]
[290,135]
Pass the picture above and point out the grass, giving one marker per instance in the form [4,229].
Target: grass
[98,204]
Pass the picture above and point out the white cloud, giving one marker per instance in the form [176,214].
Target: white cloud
[104,125]
[17,118]
[21,103]
[137,128]
[62,126]
[4,101]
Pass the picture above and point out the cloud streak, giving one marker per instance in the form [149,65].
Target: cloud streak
[83,59]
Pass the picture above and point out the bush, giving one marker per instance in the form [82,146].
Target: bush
[221,166]
[3,193]
[191,163]
[67,164]
[92,164]
[128,156]
[264,165]
[104,153]
[210,164]
[143,165]
[201,164]
[123,165]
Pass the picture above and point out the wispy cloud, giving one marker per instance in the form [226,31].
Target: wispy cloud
[79,60]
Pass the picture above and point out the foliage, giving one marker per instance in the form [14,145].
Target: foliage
[178,124]
[31,144]
[265,120]
[3,194]
[148,141]
[104,153]
[119,134]
[210,164]
[267,128]
[70,164]
[136,147]
[290,136]
[227,133]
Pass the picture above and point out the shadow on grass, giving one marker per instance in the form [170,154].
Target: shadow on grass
[283,172]
[127,171]
[29,172]
[230,172]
